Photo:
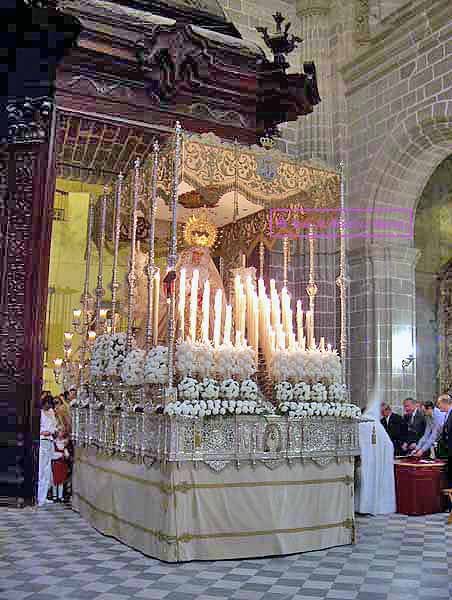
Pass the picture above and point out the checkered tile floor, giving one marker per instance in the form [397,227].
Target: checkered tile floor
[52,553]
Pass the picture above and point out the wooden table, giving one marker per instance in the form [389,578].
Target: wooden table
[419,485]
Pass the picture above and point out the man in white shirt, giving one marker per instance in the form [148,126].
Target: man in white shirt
[433,429]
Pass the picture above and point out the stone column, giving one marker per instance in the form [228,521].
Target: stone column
[382,322]
[40,35]
[315,130]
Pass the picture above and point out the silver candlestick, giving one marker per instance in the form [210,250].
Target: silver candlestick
[116,235]
[99,289]
[133,239]
[151,260]
[172,260]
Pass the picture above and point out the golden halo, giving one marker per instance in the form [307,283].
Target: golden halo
[199,231]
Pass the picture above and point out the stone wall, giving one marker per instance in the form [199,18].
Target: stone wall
[399,100]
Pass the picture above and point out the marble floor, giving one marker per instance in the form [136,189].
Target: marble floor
[52,553]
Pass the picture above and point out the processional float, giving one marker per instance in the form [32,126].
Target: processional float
[218,368]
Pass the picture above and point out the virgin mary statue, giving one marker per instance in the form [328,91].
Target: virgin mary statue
[199,235]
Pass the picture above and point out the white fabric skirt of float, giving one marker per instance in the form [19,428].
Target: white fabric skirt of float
[194,513]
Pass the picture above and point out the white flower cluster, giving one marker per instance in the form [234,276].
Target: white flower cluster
[319,393]
[229,389]
[188,389]
[337,392]
[303,392]
[249,390]
[209,389]
[99,356]
[284,391]
[235,362]
[225,362]
[194,359]
[207,408]
[116,353]
[210,398]
[156,366]
[306,365]
[132,369]
[319,409]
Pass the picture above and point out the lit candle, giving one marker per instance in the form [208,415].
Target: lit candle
[309,331]
[77,314]
[68,335]
[322,344]
[243,260]
[256,323]
[91,336]
[57,363]
[155,307]
[103,313]
[109,329]
[299,321]
[205,312]
[193,304]
[281,339]
[271,336]
[227,326]
[182,303]
[217,324]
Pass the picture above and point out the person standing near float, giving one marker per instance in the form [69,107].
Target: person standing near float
[46,448]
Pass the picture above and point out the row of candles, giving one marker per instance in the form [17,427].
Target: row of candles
[256,316]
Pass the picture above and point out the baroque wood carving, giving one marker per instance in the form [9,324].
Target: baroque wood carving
[16,249]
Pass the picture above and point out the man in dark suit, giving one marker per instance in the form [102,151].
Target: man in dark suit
[394,425]
[415,424]
[445,406]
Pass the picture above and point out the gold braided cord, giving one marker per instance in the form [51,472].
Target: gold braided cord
[189,537]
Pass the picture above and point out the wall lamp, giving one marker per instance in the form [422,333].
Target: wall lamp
[406,362]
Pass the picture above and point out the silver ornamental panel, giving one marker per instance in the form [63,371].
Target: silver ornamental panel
[216,441]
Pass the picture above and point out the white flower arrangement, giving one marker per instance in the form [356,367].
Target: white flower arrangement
[249,390]
[186,359]
[156,366]
[337,392]
[132,368]
[117,351]
[225,362]
[244,362]
[99,356]
[311,366]
[283,391]
[302,392]
[229,389]
[188,389]
[209,389]
[319,409]
[202,408]
[318,393]
[205,359]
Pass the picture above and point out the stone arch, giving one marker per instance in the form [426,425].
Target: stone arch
[409,156]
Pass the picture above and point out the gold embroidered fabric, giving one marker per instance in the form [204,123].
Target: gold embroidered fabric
[267,178]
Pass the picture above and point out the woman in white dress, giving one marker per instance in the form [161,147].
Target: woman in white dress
[47,431]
